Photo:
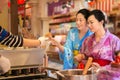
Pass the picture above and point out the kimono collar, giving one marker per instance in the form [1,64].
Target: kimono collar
[106,33]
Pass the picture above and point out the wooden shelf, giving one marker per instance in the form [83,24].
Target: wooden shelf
[63,15]
[62,18]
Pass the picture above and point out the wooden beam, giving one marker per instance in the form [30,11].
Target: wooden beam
[14,16]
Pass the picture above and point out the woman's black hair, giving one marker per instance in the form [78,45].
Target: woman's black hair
[98,15]
[85,12]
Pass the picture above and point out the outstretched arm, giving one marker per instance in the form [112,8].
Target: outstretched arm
[8,39]
[31,42]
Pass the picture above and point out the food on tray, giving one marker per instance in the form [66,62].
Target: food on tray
[49,35]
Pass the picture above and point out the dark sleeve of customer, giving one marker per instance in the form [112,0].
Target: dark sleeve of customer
[9,39]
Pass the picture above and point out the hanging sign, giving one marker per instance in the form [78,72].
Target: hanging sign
[21,10]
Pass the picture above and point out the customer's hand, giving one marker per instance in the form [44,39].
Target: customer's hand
[4,65]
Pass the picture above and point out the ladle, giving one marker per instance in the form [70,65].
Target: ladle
[88,64]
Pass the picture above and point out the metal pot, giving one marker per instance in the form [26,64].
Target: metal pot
[75,74]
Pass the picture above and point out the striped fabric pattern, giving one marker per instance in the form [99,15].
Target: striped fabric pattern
[9,39]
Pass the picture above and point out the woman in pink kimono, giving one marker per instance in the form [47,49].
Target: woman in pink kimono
[102,44]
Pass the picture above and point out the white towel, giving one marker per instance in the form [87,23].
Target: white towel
[44,41]
[4,65]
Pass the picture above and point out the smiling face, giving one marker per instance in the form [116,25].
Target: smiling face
[80,21]
[94,24]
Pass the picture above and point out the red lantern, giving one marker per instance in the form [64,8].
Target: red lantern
[20,1]
[9,4]
[91,3]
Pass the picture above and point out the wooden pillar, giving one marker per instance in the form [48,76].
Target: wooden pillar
[14,17]
[39,18]
[35,23]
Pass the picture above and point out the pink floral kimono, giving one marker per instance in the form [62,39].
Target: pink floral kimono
[103,50]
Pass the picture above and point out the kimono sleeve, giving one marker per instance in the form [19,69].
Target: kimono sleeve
[67,45]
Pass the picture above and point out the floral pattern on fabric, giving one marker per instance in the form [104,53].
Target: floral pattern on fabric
[104,49]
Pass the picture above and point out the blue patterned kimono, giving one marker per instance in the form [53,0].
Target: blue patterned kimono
[73,43]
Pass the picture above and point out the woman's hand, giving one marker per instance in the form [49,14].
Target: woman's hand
[54,42]
[57,44]
[79,57]
[95,66]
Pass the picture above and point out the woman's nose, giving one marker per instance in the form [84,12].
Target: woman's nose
[89,25]
[78,22]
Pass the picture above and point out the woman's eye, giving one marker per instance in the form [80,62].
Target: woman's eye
[91,22]
[80,20]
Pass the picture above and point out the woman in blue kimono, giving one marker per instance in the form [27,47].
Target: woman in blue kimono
[74,40]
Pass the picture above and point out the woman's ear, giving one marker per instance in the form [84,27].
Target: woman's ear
[102,22]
